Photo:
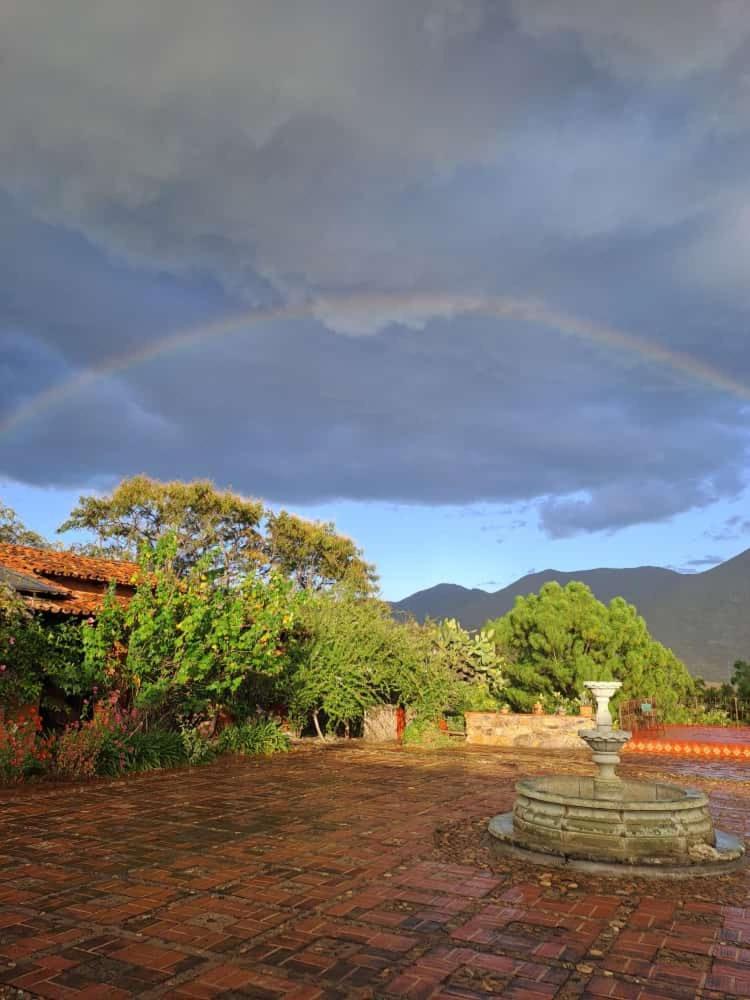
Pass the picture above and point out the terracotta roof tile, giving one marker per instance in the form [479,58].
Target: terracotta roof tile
[52,562]
[48,566]
[77,604]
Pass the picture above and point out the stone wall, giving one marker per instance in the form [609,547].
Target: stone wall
[550,732]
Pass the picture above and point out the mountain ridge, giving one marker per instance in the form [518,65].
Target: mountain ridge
[704,617]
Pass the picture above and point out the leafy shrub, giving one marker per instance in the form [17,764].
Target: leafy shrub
[198,747]
[426,733]
[21,651]
[456,723]
[476,697]
[357,656]
[741,679]
[189,640]
[35,656]
[254,737]
[686,716]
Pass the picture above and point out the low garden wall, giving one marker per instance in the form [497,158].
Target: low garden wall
[548,732]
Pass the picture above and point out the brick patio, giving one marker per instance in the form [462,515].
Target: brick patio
[319,874]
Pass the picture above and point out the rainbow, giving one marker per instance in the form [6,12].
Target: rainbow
[404,308]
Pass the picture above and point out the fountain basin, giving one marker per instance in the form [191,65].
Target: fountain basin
[607,823]
[647,824]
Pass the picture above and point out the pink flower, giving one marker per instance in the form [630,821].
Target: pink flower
[2,668]
[11,641]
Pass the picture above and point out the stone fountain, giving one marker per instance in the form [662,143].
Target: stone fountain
[606,821]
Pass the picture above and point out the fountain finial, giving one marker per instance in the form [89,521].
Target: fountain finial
[605,742]
[602,692]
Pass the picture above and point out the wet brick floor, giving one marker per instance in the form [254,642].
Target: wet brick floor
[315,874]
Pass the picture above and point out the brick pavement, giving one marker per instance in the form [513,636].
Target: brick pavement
[315,875]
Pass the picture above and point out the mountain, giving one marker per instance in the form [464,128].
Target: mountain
[703,617]
[441,601]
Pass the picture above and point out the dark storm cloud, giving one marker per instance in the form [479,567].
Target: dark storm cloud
[162,168]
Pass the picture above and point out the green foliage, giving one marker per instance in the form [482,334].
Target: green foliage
[197,746]
[223,531]
[475,696]
[426,733]
[61,660]
[104,647]
[232,638]
[34,654]
[687,716]
[469,657]
[563,636]
[14,532]
[357,656]
[263,736]
[200,518]
[314,556]
[189,642]
[141,750]
[21,650]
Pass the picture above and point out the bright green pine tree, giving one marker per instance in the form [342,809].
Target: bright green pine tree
[562,636]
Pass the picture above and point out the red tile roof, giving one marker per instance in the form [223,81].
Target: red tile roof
[86,579]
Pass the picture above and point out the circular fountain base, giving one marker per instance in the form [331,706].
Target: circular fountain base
[642,826]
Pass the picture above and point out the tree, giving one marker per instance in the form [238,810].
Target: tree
[314,555]
[14,532]
[239,533]
[741,678]
[142,511]
[358,656]
[562,636]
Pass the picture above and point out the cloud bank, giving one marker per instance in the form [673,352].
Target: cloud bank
[160,169]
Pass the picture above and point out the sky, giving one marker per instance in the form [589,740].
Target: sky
[470,278]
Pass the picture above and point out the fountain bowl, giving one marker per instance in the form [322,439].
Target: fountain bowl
[639,825]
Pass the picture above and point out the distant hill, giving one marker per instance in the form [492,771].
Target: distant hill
[703,617]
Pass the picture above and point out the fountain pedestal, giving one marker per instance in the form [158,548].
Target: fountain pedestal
[605,742]
[644,826]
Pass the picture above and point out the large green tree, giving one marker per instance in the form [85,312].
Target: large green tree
[314,555]
[239,533]
[562,636]
[201,518]
[14,532]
